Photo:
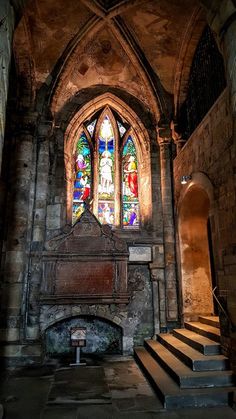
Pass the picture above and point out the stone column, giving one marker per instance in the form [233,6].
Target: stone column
[38,229]
[17,219]
[164,140]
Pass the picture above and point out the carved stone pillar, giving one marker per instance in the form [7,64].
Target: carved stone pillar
[164,140]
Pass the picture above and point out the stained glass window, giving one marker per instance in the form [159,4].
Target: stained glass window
[109,177]
[82,182]
[130,205]
[106,144]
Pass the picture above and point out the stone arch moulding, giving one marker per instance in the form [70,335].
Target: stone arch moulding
[196,282]
[200,180]
[48,319]
[140,136]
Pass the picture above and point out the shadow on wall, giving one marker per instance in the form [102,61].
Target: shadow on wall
[102,336]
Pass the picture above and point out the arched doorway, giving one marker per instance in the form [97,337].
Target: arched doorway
[196,272]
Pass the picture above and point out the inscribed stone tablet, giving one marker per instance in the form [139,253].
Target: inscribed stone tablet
[140,254]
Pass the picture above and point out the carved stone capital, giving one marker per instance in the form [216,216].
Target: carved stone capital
[177,136]
[164,135]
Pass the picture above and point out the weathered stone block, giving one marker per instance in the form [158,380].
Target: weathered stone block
[53,216]
[9,335]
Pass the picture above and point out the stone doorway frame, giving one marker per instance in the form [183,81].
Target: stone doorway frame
[194,265]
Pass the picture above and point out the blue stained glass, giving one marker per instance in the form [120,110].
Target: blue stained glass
[131,214]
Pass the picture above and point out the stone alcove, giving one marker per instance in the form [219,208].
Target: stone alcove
[102,336]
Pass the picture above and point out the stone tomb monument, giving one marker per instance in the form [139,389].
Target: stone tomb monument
[86,265]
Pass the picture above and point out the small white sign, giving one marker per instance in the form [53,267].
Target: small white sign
[78,336]
[140,254]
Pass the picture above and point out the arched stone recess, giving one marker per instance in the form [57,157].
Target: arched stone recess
[103,336]
[141,140]
[196,284]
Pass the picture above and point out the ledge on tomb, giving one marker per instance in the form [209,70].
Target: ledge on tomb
[120,298]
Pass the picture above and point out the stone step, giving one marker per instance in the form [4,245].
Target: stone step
[182,374]
[210,320]
[191,357]
[200,343]
[210,332]
[171,395]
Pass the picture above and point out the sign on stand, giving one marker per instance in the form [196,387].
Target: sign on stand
[78,340]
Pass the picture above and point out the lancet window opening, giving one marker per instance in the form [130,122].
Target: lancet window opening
[106,171]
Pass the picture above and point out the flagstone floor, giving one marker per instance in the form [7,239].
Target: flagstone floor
[107,388]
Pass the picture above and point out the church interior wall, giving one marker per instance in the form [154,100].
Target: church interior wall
[210,151]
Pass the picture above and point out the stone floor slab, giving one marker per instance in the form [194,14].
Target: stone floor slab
[79,385]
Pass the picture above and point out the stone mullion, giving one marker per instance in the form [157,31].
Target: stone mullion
[168,227]
[95,181]
[117,186]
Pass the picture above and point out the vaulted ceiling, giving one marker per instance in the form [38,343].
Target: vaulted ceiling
[143,47]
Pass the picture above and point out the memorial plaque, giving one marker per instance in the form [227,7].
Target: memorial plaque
[84,277]
[140,254]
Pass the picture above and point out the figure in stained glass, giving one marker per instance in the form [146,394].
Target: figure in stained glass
[82,185]
[131,176]
[130,185]
[106,172]
[106,213]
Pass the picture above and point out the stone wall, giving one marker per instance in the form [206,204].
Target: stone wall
[211,151]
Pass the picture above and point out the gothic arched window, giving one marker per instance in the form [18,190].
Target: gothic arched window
[106,171]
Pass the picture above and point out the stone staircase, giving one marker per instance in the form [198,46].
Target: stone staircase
[186,368]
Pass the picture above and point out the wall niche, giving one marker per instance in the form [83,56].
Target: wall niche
[103,337]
